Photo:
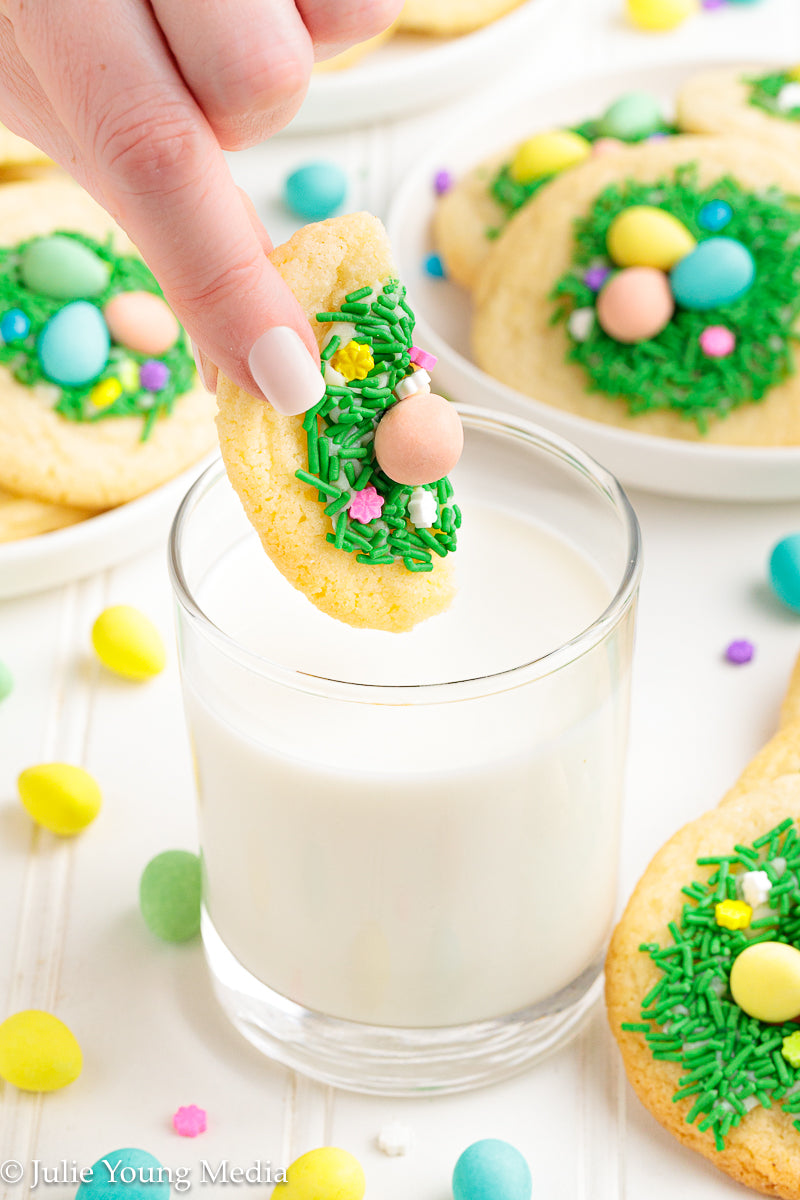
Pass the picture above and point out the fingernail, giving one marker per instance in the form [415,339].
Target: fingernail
[205,369]
[285,371]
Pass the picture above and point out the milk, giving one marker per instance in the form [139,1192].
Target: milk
[414,856]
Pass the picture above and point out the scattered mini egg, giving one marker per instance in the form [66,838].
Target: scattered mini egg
[128,1174]
[658,16]
[717,272]
[635,305]
[717,341]
[632,117]
[325,1174]
[739,652]
[73,346]
[788,97]
[14,326]
[128,643]
[492,1170]
[442,182]
[190,1121]
[642,236]
[60,797]
[581,323]
[395,1139]
[547,154]
[104,393]
[170,893]
[715,215]
[142,322]
[595,277]
[434,266]
[419,439]
[316,190]
[38,1053]
[6,680]
[765,981]
[784,570]
[154,375]
[606,145]
[63,268]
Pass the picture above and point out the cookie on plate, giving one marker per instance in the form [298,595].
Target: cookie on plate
[99,397]
[354,54]
[781,755]
[21,517]
[20,159]
[447,17]
[367,547]
[655,290]
[750,101]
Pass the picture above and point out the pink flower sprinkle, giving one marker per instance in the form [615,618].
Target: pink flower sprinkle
[366,505]
[422,359]
[717,341]
[190,1121]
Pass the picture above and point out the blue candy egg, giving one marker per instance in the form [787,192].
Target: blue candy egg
[784,570]
[718,271]
[316,190]
[73,346]
[715,215]
[14,326]
[126,1175]
[492,1170]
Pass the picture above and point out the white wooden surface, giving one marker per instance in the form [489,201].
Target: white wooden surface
[70,936]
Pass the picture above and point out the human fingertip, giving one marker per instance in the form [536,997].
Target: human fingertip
[205,368]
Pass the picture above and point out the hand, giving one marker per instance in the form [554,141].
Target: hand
[137,99]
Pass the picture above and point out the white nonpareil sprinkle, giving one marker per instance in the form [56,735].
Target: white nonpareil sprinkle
[409,385]
[581,323]
[422,508]
[395,1139]
[333,377]
[756,887]
[788,97]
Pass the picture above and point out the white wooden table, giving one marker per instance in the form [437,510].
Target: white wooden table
[71,939]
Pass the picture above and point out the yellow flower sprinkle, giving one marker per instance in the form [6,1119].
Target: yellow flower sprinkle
[733,914]
[791,1049]
[105,392]
[354,361]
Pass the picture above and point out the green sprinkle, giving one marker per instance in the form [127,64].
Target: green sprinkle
[361,294]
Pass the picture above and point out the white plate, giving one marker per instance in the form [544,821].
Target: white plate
[36,563]
[409,73]
[444,317]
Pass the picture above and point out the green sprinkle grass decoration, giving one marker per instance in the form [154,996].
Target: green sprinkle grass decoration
[731,1062]
[340,432]
[764,92]
[128,274]
[670,371]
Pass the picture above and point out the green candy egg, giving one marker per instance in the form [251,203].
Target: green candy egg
[63,268]
[633,117]
[169,895]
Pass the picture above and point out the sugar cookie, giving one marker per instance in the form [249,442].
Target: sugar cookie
[20,159]
[721,101]
[446,17]
[22,517]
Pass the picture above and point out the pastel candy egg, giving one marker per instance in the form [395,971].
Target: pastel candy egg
[316,190]
[128,643]
[607,145]
[492,1170]
[142,322]
[717,272]
[37,1052]
[419,440]
[61,797]
[325,1174]
[765,981]
[641,236]
[715,215]
[73,346]
[548,153]
[63,268]
[128,1174]
[169,895]
[633,117]
[784,570]
[657,16]
[635,304]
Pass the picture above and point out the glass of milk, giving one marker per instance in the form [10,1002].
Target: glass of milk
[410,840]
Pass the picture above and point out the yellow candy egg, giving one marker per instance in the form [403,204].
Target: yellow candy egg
[105,392]
[765,981]
[62,798]
[794,73]
[37,1052]
[128,643]
[548,153]
[657,16]
[641,236]
[325,1174]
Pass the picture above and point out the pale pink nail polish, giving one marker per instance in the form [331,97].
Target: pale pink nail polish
[206,370]
[285,371]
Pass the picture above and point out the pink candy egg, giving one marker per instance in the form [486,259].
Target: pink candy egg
[142,322]
[635,304]
[419,440]
[607,145]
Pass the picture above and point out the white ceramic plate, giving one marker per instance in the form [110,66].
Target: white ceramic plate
[36,563]
[409,73]
[443,310]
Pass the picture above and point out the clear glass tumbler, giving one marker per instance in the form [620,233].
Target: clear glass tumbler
[410,841]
